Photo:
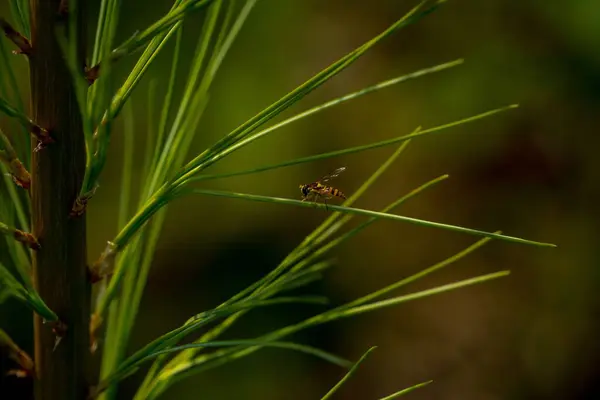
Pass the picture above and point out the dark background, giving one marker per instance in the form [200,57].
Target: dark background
[531,172]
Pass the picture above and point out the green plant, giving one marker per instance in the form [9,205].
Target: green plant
[74,106]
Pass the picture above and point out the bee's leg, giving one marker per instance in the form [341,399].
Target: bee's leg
[307,197]
[316,198]
[325,198]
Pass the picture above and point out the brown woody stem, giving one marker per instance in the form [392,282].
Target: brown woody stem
[60,273]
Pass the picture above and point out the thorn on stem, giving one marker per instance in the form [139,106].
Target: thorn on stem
[42,135]
[80,204]
[21,183]
[95,322]
[19,174]
[19,40]
[59,329]
[102,268]
[27,238]
[63,10]
[19,373]
[14,352]
[93,393]
[92,73]
[57,340]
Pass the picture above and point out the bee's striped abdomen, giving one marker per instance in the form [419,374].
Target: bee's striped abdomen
[337,193]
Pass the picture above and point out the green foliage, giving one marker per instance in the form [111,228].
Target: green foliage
[354,369]
[167,176]
[20,12]
[11,287]
[405,391]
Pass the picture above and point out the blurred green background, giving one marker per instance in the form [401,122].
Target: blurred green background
[531,172]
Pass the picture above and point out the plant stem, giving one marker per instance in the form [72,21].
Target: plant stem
[57,173]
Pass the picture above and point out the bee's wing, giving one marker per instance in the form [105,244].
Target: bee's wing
[332,175]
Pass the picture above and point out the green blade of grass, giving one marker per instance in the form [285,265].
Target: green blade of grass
[319,252]
[328,225]
[419,275]
[198,321]
[122,373]
[15,206]
[102,134]
[125,316]
[173,141]
[179,11]
[339,361]
[321,233]
[117,306]
[164,116]
[184,358]
[407,390]
[101,88]
[68,46]
[294,281]
[13,112]
[362,300]
[178,142]
[108,19]
[174,148]
[351,150]
[207,158]
[215,61]
[337,101]
[359,211]
[160,197]
[345,310]
[307,246]
[126,180]
[295,255]
[20,13]
[180,139]
[348,375]
[231,319]
[285,282]
[103,16]
[152,143]
[11,285]
[22,142]
[164,194]
[355,310]
[218,358]
[26,293]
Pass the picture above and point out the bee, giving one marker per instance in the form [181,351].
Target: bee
[318,190]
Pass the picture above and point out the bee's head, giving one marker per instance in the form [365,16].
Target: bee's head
[304,189]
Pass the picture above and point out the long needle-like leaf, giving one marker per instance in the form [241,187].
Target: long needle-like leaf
[348,375]
[359,211]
